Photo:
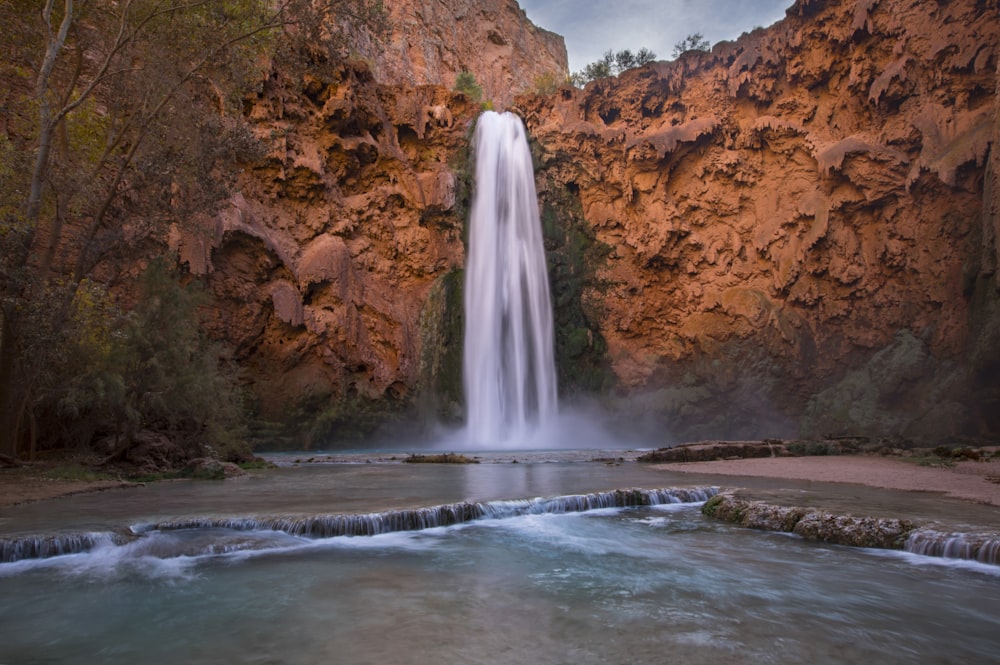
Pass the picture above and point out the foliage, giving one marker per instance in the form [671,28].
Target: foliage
[611,64]
[442,324]
[112,373]
[174,381]
[694,42]
[547,83]
[574,256]
[339,421]
[149,369]
[466,83]
[121,117]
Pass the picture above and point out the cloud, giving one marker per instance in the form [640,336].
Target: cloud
[590,29]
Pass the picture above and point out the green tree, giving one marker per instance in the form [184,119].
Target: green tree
[612,63]
[466,83]
[172,376]
[694,42]
[120,117]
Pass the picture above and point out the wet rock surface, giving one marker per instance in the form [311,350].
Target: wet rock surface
[809,523]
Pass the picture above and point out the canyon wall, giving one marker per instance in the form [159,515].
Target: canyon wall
[792,233]
[323,261]
[795,223]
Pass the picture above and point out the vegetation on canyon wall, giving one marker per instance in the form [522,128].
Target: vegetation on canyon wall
[612,63]
[574,257]
[120,119]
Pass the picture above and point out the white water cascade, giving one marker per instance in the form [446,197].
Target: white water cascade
[509,362]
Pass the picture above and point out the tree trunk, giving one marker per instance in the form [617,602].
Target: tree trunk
[9,388]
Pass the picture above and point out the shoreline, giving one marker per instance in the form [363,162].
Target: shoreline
[16,491]
[973,481]
[976,482]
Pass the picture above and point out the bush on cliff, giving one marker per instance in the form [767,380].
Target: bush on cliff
[466,84]
[694,42]
[611,64]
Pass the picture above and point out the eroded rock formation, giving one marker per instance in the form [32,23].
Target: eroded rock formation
[322,263]
[796,221]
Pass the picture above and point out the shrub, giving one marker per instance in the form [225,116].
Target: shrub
[466,83]
[612,64]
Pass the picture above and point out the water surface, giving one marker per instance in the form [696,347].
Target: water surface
[639,585]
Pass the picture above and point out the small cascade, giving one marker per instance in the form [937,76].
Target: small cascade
[43,547]
[332,526]
[509,361]
[981,547]
[373,524]
[329,526]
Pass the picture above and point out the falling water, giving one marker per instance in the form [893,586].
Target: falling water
[510,376]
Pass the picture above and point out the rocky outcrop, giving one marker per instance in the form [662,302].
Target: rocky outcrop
[795,222]
[704,451]
[891,533]
[883,532]
[322,263]
[433,41]
[326,266]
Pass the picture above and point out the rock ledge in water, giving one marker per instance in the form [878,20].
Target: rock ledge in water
[444,458]
[881,532]
[207,468]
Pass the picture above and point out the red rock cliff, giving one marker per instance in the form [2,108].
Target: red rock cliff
[323,262]
[796,219]
[433,41]
[795,229]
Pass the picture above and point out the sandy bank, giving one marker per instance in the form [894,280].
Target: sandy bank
[21,489]
[973,481]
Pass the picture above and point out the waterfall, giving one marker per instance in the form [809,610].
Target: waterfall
[509,364]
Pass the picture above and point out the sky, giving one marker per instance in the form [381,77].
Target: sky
[593,27]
